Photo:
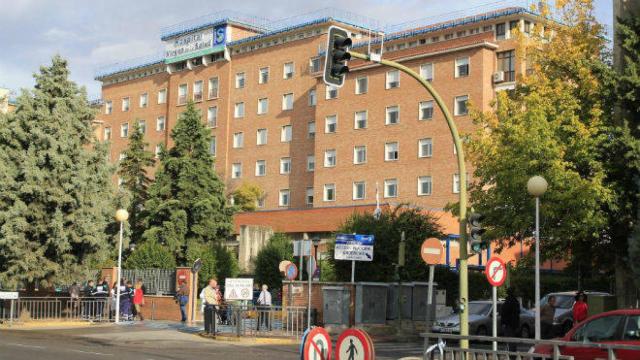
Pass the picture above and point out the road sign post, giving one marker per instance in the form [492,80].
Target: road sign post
[431,252]
[291,272]
[496,272]
[354,344]
[317,345]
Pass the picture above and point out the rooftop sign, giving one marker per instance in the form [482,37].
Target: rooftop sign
[194,44]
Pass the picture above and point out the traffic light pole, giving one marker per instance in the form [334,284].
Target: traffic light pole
[464,286]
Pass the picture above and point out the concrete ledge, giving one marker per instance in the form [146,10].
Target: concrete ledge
[250,340]
[52,325]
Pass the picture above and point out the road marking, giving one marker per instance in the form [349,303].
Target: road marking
[26,346]
[91,352]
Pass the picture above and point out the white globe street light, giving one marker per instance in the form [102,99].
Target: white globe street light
[537,186]
[121,216]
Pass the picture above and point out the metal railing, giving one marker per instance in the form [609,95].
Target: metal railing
[156,281]
[276,321]
[56,308]
[553,348]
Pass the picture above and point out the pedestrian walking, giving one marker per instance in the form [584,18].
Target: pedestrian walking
[510,317]
[182,298]
[264,307]
[580,308]
[211,301]
[138,299]
[547,314]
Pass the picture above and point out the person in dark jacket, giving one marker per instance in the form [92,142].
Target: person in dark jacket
[88,310]
[510,317]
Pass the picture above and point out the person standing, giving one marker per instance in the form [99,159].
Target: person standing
[264,306]
[580,308]
[547,314]
[211,301]
[182,298]
[510,317]
[138,299]
[74,294]
[89,291]
[100,295]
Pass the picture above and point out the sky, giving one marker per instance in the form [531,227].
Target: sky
[94,33]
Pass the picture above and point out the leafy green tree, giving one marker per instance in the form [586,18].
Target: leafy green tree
[56,194]
[207,254]
[133,172]
[227,264]
[269,257]
[186,202]
[246,196]
[150,255]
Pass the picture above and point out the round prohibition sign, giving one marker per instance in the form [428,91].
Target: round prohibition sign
[354,344]
[496,271]
[317,345]
[291,271]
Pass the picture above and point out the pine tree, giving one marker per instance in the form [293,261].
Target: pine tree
[187,204]
[133,172]
[56,196]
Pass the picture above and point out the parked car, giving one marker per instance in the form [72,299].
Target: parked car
[480,320]
[620,327]
[563,318]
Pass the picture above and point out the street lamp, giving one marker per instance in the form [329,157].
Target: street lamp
[121,216]
[537,186]
[316,243]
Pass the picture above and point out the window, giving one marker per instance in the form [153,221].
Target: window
[157,151]
[142,126]
[362,85]
[162,96]
[462,67]
[260,202]
[501,31]
[311,163]
[286,133]
[331,92]
[330,158]
[261,168]
[312,97]
[393,115]
[309,196]
[456,183]
[287,72]
[261,137]
[314,65]
[360,121]
[513,26]
[197,91]
[238,111]
[425,147]
[360,154]
[507,64]
[214,88]
[393,79]
[283,199]
[212,116]
[330,192]
[108,107]
[125,104]
[527,27]
[122,156]
[426,110]
[599,330]
[124,130]
[632,330]
[263,106]
[390,188]
[311,129]
[460,107]
[426,71]
[287,101]
[263,76]
[182,94]
[391,151]
[359,189]
[285,166]
[424,185]
[107,133]
[330,124]
[236,171]
[212,146]
[238,140]
[239,80]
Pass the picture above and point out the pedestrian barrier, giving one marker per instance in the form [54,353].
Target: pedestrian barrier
[56,308]
[249,320]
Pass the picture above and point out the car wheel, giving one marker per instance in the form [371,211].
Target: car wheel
[482,331]
[525,332]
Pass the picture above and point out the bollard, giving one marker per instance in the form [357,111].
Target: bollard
[238,322]
[11,313]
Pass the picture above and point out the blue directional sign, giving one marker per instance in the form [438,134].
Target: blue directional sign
[356,247]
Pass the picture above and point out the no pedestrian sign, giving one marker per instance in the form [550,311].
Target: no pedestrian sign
[496,271]
[354,247]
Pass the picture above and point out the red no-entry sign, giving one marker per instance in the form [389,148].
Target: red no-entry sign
[496,271]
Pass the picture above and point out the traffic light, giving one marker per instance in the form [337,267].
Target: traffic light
[475,237]
[335,65]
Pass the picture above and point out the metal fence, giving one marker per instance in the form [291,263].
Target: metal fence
[56,308]
[250,320]
[156,281]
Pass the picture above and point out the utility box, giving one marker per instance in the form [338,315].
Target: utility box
[420,292]
[406,301]
[336,300]
[600,303]
[371,303]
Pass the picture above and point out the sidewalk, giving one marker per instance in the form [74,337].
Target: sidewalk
[52,325]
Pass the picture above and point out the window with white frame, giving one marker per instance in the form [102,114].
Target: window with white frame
[260,202]
[287,101]
[311,129]
[309,196]
[108,107]
[142,126]
[263,76]
[329,192]
[456,183]
[212,146]
[426,110]
[359,154]
[261,137]
[313,100]
[162,96]
[122,156]
[391,188]
[157,151]
[212,116]
[214,87]
[362,85]
[125,104]
[238,110]
[460,106]
[144,100]
[287,72]
[360,120]
[236,170]
[426,71]
[311,163]
[261,168]
[393,79]
[330,124]
[331,92]
[107,133]
[285,166]
[424,185]
[263,106]
[330,158]
[391,151]
[286,133]
[182,94]
[238,140]
[198,90]
[392,116]
[283,199]
[239,80]
[462,67]
[359,189]
[314,65]
[124,130]
[425,147]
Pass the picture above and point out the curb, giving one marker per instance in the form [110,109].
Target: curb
[52,326]
[252,340]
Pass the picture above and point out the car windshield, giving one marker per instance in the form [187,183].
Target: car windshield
[479,308]
[562,301]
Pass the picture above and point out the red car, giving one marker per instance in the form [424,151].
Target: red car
[620,327]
